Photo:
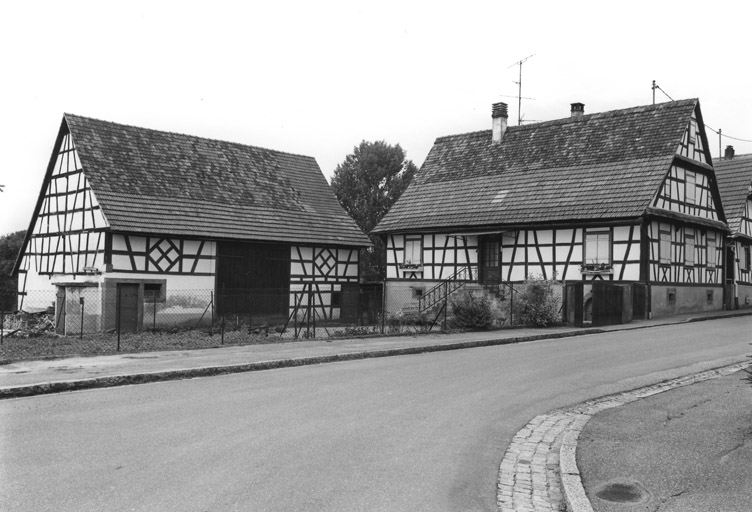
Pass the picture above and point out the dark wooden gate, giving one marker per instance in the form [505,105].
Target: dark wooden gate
[575,298]
[253,279]
[60,310]
[612,303]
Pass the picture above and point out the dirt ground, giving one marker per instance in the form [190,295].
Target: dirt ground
[686,450]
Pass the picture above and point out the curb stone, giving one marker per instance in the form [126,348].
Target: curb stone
[552,438]
[188,373]
[207,371]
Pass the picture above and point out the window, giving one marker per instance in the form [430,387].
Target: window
[664,248]
[689,247]
[336,298]
[711,249]
[491,253]
[744,257]
[597,248]
[690,190]
[709,296]
[152,291]
[413,252]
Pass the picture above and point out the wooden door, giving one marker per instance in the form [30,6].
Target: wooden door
[349,303]
[128,307]
[490,260]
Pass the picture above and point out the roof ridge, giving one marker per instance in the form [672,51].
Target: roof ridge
[594,115]
[179,134]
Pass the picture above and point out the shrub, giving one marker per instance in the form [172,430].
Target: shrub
[471,312]
[537,304]
[407,321]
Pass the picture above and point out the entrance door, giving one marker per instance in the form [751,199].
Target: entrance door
[490,260]
[127,307]
[729,289]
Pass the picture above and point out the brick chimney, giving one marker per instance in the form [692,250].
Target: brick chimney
[729,154]
[499,118]
[578,109]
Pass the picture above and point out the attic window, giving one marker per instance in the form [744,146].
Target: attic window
[691,187]
[499,197]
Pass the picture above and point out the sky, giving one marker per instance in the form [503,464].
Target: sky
[317,78]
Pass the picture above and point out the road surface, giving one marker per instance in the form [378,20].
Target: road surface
[420,432]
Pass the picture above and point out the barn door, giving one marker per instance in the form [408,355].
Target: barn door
[253,279]
[128,307]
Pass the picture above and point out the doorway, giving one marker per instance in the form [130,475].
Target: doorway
[490,260]
[127,305]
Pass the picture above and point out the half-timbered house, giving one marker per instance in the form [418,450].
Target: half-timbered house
[734,174]
[127,215]
[626,197]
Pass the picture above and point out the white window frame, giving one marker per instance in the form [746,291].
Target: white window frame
[690,190]
[664,247]
[596,238]
[412,256]
[712,252]
[689,248]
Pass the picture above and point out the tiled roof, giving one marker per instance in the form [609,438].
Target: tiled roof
[596,167]
[166,183]
[733,177]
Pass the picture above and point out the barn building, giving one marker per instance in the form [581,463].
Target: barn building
[129,216]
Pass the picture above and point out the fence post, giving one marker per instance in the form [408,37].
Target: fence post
[446,303]
[250,312]
[383,306]
[81,333]
[117,316]
[222,329]
[211,327]
[308,312]
[511,305]
[154,316]
[2,325]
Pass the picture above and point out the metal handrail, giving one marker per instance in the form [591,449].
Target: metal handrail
[441,291]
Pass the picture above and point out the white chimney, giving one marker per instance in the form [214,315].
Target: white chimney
[578,109]
[499,118]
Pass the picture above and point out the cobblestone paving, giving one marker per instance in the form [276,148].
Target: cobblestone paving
[530,475]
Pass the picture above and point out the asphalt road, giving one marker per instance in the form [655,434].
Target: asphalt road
[686,450]
[423,432]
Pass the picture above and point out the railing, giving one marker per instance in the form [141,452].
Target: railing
[438,294]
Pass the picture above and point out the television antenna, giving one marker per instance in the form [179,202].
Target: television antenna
[519,89]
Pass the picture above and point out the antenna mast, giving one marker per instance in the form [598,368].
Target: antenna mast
[519,90]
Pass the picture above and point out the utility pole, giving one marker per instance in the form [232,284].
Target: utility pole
[519,90]
[720,144]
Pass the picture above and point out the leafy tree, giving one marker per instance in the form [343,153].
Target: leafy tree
[367,184]
[10,245]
